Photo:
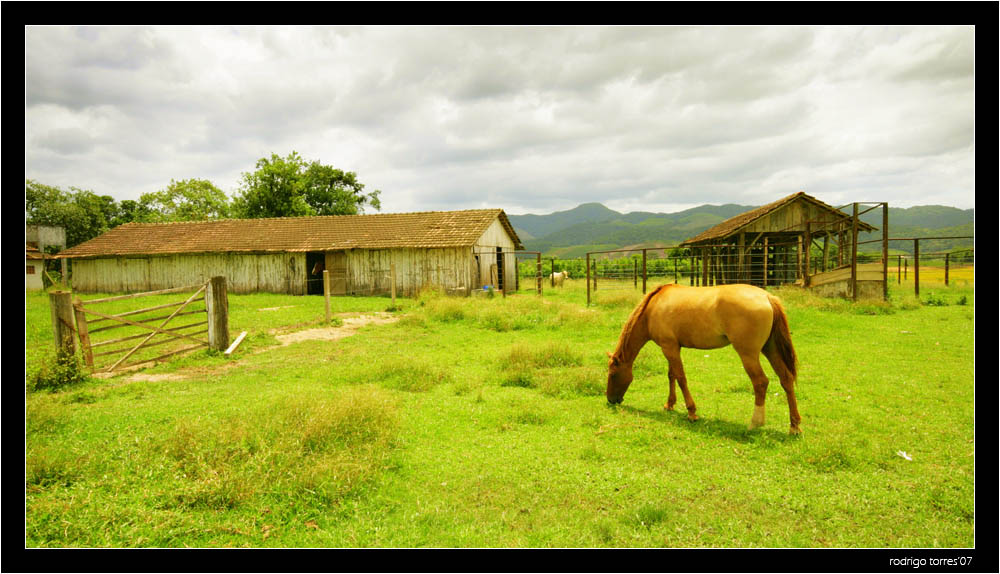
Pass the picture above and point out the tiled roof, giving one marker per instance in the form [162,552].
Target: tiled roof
[31,251]
[321,233]
[733,224]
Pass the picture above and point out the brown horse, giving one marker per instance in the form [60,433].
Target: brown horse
[674,316]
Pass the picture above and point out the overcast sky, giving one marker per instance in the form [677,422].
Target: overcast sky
[530,120]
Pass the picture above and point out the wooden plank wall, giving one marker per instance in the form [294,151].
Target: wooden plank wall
[494,236]
[368,270]
[246,273]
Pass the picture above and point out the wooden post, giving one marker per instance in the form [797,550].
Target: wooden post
[676,280]
[916,267]
[392,284]
[643,271]
[765,262]
[807,242]
[538,272]
[81,328]
[588,279]
[326,292]
[740,258]
[885,251]
[946,255]
[61,307]
[854,254]
[217,307]
[826,251]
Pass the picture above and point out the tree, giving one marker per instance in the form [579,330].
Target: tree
[82,213]
[186,200]
[290,187]
[330,191]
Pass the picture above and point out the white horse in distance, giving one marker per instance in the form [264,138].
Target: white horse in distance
[558,278]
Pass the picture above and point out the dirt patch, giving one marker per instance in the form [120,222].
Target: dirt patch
[155,378]
[349,327]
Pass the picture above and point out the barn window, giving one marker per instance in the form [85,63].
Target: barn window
[29,269]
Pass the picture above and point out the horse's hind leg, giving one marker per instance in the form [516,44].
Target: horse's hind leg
[787,383]
[751,364]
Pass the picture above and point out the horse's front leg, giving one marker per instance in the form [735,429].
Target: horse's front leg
[676,375]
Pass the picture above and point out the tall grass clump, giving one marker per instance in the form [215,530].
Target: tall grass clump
[58,373]
[321,445]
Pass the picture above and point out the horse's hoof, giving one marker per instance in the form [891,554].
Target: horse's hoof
[794,431]
[692,417]
[668,407]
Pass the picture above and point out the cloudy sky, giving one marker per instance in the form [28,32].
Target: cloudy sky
[528,119]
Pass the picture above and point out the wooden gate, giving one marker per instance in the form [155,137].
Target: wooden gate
[153,331]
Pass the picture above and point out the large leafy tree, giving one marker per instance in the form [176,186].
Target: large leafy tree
[82,213]
[290,186]
[186,200]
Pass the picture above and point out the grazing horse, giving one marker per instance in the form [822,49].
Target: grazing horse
[674,316]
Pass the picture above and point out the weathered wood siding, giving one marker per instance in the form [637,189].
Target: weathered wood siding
[246,273]
[792,217]
[368,270]
[486,248]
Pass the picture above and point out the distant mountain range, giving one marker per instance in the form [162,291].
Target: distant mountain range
[594,227]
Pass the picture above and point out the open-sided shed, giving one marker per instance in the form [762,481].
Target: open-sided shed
[769,245]
[457,251]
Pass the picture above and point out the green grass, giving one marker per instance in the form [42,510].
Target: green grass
[482,423]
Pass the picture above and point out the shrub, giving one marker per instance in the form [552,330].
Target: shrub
[54,375]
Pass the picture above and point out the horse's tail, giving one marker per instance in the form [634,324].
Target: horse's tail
[781,337]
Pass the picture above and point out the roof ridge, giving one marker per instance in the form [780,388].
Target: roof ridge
[290,217]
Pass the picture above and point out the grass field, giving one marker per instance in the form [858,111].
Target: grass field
[482,422]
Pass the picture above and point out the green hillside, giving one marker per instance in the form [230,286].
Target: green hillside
[594,227]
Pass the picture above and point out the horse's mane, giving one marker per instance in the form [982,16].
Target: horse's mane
[633,319]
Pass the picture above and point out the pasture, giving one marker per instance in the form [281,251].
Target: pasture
[482,422]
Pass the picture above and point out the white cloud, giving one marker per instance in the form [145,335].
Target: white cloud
[531,119]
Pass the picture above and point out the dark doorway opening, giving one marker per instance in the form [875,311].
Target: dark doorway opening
[500,268]
[315,263]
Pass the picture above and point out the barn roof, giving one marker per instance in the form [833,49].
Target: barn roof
[735,223]
[293,234]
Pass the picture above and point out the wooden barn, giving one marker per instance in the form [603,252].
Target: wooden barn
[770,245]
[458,251]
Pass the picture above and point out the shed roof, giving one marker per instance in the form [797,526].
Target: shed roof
[296,234]
[31,251]
[735,223]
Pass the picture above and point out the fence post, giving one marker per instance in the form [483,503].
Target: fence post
[588,279]
[885,251]
[61,306]
[643,271]
[217,308]
[81,327]
[392,283]
[326,292]
[538,272]
[916,268]
[946,268]
[854,253]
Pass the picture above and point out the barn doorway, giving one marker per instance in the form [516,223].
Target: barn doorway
[315,264]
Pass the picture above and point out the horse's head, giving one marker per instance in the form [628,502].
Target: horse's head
[619,378]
